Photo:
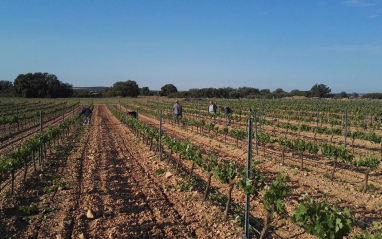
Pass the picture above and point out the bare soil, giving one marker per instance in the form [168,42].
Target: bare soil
[344,190]
[110,190]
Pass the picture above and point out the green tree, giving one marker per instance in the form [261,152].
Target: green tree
[320,90]
[168,89]
[265,93]
[145,91]
[126,88]
[5,85]
[343,94]
[355,95]
[6,88]
[279,93]
[300,93]
[246,91]
[41,85]
[234,95]
[373,96]
[224,92]
[108,92]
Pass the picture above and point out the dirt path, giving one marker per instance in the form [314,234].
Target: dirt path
[114,193]
[116,189]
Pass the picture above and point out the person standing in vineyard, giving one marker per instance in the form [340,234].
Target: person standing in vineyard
[212,111]
[227,112]
[212,108]
[177,109]
[88,114]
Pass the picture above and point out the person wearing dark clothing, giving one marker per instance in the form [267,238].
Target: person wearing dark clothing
[133,114]
[88,114]
[177,110]
[228,113]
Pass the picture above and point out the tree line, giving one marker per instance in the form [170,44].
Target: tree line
[318,90]
[45,85]
[36,85]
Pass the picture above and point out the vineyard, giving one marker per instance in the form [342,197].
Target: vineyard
[315,172]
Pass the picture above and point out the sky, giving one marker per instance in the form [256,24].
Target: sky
[265,44]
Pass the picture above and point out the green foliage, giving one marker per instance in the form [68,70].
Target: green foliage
[225,130]
[282,141]
[159,171]
[210,163]
[311,147]
[5,164]
[373,138]
[320,90]
[225,171]
[41,85]
[183,185]
[328,150]
[373,96]
[211,126]
[29,220]
[264,138]
[372,233]
[29,210]
[5,85]
[125,89]
[238,134]
[144,91]
[22,153]
[299,145]
[190,152]
[323,219]
[344,154]
[46,210]
[275,194]
[168,89]
[62,184]
[369,161]
[304,127]
[255,183]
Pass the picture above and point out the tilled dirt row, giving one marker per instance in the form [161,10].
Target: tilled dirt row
[33,192]
[117,198]
[364,206]
[114,193]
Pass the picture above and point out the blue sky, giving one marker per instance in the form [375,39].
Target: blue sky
[267,44]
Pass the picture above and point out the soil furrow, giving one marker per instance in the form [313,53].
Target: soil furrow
[363,206]
[117,197]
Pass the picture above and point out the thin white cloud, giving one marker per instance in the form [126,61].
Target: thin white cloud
[372,16]
[359,3]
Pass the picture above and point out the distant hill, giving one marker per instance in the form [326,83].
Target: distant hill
[90,89]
